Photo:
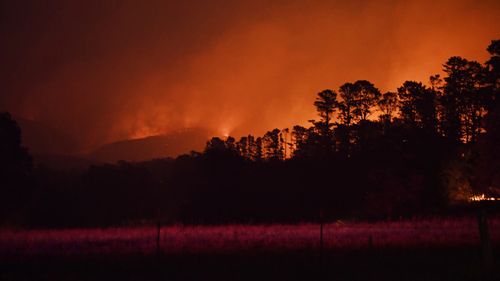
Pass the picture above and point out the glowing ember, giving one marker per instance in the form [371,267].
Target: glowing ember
[482,197]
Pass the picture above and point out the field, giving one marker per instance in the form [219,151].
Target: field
[438,249]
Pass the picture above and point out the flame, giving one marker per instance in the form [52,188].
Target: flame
[482,197]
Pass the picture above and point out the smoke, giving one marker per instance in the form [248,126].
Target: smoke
[112,70]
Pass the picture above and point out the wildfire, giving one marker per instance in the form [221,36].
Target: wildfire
[225,131]
[482,197]
[144,132]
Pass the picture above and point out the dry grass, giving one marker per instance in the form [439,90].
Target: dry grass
[237,238]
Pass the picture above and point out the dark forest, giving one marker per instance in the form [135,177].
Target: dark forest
[422,151]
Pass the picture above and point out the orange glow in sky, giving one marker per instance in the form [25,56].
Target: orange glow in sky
[105,72]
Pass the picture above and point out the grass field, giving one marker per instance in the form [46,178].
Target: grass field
[438,249]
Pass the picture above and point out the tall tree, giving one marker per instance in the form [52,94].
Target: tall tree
[299,140]
[326,104]
[356,104]
[249,147]
[418,106]
[255,151]
[488,175]
[493,64]
[215,144]
[348,103]
[273,145]
[231,144]
[388,105]
[347,106]
[462,103]
[287,144]
[367,96]
[242,147]
[492,85]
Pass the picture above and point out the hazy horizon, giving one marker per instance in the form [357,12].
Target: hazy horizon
[102,72]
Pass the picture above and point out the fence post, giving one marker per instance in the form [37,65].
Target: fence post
[159,216]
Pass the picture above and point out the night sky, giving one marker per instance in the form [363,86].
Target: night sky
[103,71]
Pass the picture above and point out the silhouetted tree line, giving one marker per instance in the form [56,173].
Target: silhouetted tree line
[370,155]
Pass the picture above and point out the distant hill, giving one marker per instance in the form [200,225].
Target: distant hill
[43,139]
[160,146]
[50,147]
[55,149]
